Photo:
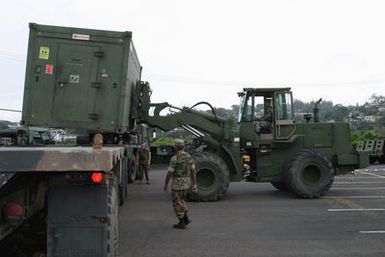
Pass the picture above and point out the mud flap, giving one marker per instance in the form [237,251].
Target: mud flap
[79,221]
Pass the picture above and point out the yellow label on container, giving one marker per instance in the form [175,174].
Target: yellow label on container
[44,53]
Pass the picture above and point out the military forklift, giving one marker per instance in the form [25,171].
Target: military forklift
[266,145]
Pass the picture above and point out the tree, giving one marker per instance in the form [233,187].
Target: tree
[377,100]
[340,113]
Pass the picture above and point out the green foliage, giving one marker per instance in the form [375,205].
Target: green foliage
[169,140]
[371,134]
[377,99]
[66,144]
[5,124]
[228,114]
[338,113]
[163,141]
[358,135]
[324,107]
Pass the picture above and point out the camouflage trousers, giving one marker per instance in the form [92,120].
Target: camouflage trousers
[179,202]
[143,170]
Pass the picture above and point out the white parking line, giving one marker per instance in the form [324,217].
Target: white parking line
[354,177]
[382,169]
[369,173]
[358,188]
[346,210]
[373,232]
[359,182]
[356,197]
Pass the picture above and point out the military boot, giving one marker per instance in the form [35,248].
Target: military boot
[181,224]
[186,219]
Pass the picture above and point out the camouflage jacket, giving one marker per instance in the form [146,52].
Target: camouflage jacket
[144,155]
[180,168]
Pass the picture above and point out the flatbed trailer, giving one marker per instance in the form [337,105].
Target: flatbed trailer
[73,191]
[59,159]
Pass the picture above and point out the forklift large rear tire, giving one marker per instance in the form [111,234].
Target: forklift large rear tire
[281,186]
[310,174]
[213,178]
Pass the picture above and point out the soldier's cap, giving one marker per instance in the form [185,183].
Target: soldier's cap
[179,142]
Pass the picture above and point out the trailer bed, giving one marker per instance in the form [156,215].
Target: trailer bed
[58,159]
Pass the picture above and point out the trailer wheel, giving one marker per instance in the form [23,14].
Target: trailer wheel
[310,174]
[132,171]
[213,177]
[280,185]
[382,159]
[372,159]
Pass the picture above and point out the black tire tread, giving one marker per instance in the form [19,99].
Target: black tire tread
[294,167]
[222,173]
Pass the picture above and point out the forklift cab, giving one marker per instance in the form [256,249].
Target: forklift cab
[266,114]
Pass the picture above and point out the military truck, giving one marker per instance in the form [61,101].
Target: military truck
[375,149]
[64,201]
[265,145]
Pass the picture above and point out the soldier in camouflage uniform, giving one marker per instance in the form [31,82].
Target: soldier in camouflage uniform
[182,172]
[143,160]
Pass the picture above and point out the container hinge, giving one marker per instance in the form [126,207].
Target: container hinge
[99,54]
[93,116]
[96,84]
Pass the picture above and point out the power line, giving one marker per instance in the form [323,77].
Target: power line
[13,56]
[9,110]
[190,80]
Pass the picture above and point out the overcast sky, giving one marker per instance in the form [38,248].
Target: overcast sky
[208,50]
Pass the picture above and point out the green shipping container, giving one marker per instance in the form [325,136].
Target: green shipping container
[80,78]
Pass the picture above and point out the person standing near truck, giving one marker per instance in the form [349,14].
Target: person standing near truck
[183,174]
[143,160]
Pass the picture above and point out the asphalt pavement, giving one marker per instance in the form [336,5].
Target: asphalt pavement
[255,219]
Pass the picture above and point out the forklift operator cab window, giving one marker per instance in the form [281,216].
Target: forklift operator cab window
[259,108]
[255,108]
[246,108]
[283,106]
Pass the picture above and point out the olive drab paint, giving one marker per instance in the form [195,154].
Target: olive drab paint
[75,79]
[80,78]
[302,157]
[375,149]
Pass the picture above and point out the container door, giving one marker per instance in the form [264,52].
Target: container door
[76,83]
